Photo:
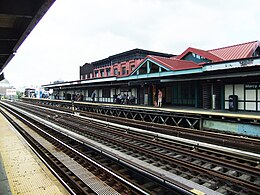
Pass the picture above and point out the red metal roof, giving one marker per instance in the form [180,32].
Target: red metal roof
[243,50]
[174,64]
[200,52]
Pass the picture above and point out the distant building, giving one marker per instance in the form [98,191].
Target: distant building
[118,65]
[29,92]
[4,84]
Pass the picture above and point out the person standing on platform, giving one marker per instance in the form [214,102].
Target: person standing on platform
[93,95]
[159,98]
[155,99]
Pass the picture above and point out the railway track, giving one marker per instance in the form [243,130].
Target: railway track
[227,140]
[61,150]
[223,173]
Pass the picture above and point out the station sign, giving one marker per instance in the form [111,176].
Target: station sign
[252,86]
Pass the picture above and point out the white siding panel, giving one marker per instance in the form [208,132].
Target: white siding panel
[241,106]
[100,93]
[250,106]
[112,92]
[251,95]
[228,91]
[239,91]
[226,105]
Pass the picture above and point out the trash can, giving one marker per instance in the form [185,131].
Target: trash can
[233,102]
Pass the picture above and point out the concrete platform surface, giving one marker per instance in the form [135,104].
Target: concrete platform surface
[21,171]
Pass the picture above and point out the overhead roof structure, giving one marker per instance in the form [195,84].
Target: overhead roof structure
[238,51]
[244,50]
[200,52]
[171,63]
[17,19]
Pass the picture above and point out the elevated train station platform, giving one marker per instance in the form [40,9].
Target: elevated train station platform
[21,171]
[238,122]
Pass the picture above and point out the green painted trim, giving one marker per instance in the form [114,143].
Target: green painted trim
[160,65]
[160,74]
[196,94]
[148,65]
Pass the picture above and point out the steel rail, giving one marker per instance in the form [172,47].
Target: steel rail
[199,135]
[184,191]
[209,172]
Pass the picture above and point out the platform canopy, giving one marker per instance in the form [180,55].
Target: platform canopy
[17,19]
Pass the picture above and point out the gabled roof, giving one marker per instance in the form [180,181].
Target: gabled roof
[200,52]
[243,50]
[169,63]
[174,64]
[239,51]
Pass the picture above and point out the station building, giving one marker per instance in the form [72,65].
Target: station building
[195,78]
[119,65]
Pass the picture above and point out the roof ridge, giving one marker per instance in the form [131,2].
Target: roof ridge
[174,59]
[156,57]
[207,51]
[159,56]
[170,58]
[232,45]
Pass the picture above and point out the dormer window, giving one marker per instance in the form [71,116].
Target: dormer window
[198,56]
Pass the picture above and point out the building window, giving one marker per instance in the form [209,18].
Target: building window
[91,75]
[123,70]
[102,72]
[86,76]
[108,72]
[198,56]
[81,77]
[115,71]
[96,73]
[132,67]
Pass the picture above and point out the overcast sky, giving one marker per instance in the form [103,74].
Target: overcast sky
[74,32]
